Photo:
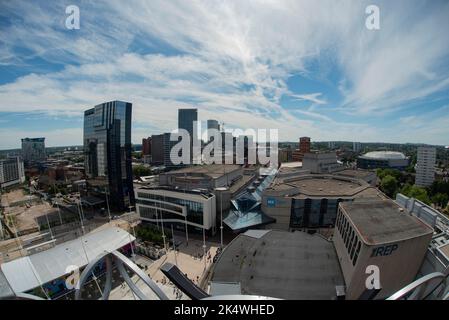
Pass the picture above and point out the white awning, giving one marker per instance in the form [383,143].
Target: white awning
[29,272]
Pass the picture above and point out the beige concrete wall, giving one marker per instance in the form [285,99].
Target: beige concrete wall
[280,211]
[396,270]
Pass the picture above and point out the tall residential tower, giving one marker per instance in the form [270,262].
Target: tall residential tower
[425,166]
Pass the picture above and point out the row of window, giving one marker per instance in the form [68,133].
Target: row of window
[191,205]
[161,205]
[194,209]
[157,214]
[313,212]
[349,236]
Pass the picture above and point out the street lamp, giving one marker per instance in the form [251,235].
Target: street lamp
[174,246]
[107,204]
[204,247]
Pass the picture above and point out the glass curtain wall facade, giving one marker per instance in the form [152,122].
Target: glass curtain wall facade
[33,149]
[107,147]
[187,209]
[186,121]
[313,213]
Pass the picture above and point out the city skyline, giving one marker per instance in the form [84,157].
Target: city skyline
[306,69]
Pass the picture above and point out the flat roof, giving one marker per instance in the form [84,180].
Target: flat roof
[319,185]
[382,221]
[356,173]
[29,272]
[212,170]
[200,194]
[281,264]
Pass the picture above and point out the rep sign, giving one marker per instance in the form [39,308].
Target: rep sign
[384,250]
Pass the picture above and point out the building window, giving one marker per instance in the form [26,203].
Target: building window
[346,231]
[357,251]
[352,246]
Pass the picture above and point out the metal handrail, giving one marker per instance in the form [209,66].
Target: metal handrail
[121,261]
[417,289]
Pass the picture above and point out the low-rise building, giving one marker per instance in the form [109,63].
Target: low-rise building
[184,209]
[206,177]
[299,200]
[383,159]
[321,162]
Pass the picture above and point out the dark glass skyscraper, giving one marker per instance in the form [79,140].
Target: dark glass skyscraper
[186,121]
[107,146]
[33,150]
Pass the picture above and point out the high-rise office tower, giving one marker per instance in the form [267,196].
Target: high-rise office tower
[187,119]
[107,146]
[212,124]
[425,166]
[33,149]
[304,145]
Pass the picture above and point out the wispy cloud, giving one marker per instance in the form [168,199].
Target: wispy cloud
[231,59]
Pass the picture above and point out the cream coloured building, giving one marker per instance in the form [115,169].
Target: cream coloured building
[380,234]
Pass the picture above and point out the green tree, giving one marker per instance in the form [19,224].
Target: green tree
[416,192]
[140,170]
[440,199]
[439,187]
[382,173]
[389,185]
[137,154]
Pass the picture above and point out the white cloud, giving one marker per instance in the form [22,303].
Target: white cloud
[231,59]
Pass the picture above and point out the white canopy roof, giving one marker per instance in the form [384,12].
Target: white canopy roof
[29,272]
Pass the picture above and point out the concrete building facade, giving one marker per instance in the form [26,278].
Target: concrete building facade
[182,208]
[425,166]
[309,201]
[379,235]
[12,172]
[321,162]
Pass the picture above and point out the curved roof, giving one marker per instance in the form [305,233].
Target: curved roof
[384,155]
[29,272]
[281,264]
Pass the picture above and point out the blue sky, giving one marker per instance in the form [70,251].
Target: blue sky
[303,67]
